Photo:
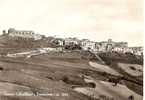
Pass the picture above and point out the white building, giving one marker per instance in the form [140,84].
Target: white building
[88,45]
[122,50]
[71,41]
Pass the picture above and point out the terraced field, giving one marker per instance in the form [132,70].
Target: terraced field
[54,76]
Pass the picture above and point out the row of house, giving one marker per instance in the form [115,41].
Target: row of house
[138,51]
[103,46]
[86,44]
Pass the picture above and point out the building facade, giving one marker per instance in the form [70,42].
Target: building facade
[87,44]
[71,41]
[23,34]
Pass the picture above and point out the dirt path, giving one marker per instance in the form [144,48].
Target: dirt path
[104,68]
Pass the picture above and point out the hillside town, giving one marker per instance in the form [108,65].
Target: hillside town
[71,50]
[53,68]
[75,43]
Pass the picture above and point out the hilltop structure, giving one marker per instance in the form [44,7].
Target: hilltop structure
[22,34]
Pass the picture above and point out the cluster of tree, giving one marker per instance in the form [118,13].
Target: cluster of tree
[109,58]
[73,47]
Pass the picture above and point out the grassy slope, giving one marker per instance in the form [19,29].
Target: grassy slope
[55,71]
[48,71]
[112,59]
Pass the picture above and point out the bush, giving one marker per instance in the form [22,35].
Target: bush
[73,80]
[131,67]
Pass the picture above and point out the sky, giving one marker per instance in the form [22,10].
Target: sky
[97,20]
